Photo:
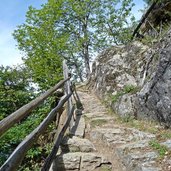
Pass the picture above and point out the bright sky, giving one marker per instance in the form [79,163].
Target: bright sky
[12,13]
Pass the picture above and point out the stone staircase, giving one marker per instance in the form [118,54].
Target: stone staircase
[98,143]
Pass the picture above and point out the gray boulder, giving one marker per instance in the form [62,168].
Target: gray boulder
[136,80]
[76,144]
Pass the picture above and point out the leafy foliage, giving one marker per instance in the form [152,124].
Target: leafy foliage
[42,43]
[15,90]
[73,30]
[16,134]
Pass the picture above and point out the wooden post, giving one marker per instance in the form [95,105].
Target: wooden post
[77,99]
[68,90]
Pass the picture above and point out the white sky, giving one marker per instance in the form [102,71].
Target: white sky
[12,13]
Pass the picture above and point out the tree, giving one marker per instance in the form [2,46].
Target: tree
[95,25]
[15,90]
[71,29]
[42,44]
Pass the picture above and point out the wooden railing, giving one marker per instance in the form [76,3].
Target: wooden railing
[15,159]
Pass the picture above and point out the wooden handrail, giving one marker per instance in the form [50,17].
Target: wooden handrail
[15,117]
[16,157]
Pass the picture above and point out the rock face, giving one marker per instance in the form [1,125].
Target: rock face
[155,97]
[136,79]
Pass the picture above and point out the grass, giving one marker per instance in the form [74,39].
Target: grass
[143,125]
[161,149]
[163,134]
[86,118]
[130,89]
[105,168]
[98,122]
[114,98]
[127,119]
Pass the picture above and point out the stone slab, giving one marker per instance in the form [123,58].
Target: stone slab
[78,161]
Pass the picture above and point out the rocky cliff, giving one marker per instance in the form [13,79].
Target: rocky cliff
[135,80]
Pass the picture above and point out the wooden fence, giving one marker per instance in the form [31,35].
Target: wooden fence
[15,159]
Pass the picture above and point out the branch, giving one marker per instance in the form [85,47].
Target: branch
[144,18]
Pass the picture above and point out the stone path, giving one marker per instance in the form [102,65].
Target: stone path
[100,144]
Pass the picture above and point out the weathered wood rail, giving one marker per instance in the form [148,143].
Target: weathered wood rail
[15,159]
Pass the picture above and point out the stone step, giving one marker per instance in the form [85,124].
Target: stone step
[95,114]
[79,162]
[105,118]
[79,127]
[143,167]
[76,144]
[119,135]
[137,159]
[126,148]
[130,146]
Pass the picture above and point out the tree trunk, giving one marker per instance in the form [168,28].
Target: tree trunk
[86,47]
[86,61]
[78,72]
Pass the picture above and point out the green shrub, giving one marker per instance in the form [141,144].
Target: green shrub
[127,89]
[11,139]
[130,89]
